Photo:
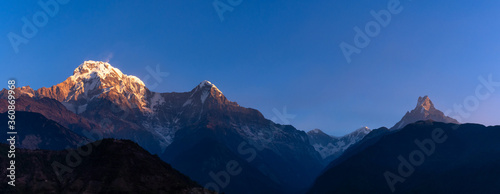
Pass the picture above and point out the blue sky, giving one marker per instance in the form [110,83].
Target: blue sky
[274,54]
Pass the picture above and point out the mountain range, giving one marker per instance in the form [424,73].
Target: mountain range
[219,144]
[180,126]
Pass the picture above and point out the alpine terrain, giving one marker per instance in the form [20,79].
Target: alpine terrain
[199,132]
[331,147]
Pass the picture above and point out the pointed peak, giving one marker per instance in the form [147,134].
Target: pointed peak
[206,90]
[425,102]
[205,83]
[209,85]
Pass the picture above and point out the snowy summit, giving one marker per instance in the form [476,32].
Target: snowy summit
[93,69]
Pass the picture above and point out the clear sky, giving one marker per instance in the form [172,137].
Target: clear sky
[274,54]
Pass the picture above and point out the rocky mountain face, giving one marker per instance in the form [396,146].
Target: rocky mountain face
[38,132]
[52,110]
[113,166]
[423,157]
[424,110]
[180,126]
[277,157]
[101,96]
[330,147]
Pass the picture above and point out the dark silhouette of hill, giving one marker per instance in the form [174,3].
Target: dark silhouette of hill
[113,166]
[461,159]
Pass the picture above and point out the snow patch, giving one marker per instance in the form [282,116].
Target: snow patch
[326,150]
[81,109]
[401,125]
[156,100]
[188,102]
[69,106]
[165,135]
[204,96]
[337,145]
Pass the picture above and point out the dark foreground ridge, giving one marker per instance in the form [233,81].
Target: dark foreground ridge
[113,166]
[424,157]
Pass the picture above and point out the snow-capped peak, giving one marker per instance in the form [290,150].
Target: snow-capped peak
[208,84]
[96,79]
[207,90]
[205,83]
[93,69]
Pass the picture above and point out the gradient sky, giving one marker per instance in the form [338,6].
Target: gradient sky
[274,54]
